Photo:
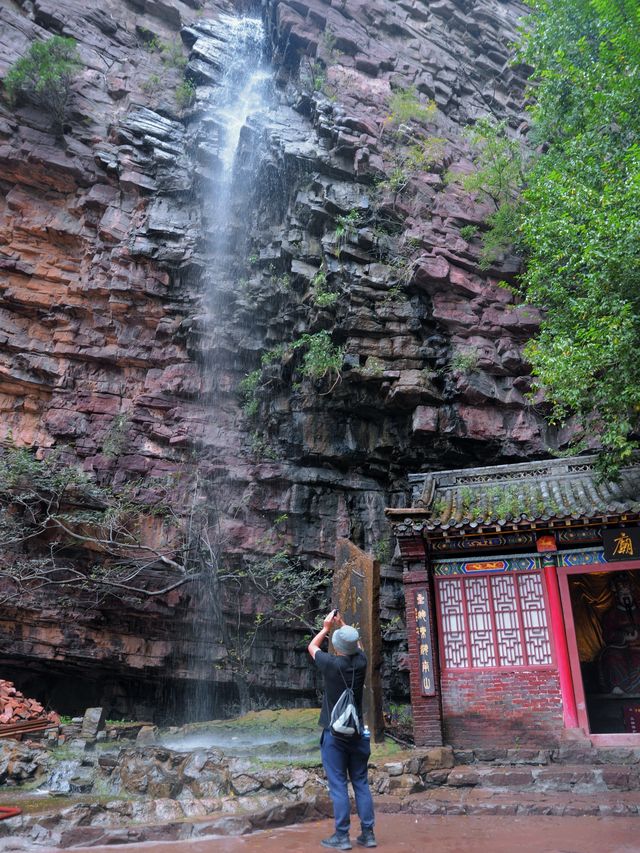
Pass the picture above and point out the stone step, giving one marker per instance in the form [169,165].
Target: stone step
[551,777]
[475,801]
[571,752]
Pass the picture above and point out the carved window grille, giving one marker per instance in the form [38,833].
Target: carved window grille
[493,621]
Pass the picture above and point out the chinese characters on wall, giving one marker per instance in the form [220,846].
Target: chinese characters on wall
[621,544]
[425,651]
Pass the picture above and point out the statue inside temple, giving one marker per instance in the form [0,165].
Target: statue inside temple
[619,662]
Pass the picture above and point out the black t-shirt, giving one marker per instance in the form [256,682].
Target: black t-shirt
[331,667]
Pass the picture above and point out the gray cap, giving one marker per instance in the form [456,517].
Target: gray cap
[345,640]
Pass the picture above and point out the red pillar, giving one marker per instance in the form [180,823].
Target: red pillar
[569,709]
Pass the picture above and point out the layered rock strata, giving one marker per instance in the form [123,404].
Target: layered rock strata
[107,259]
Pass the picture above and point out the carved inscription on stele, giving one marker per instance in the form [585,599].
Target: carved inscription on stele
[356,594]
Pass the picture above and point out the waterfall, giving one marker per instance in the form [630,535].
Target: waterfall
[243,92]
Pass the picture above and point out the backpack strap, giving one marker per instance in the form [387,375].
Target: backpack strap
[353,677]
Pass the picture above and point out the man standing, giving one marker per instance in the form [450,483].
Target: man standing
[344,758]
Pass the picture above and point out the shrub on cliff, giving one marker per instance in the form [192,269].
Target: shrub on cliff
[571,208]
[61,531]
[580,222]
[43,77]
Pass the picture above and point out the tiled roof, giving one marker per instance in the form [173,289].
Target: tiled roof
[560,489]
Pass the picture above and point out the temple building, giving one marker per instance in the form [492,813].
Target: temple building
[522,591]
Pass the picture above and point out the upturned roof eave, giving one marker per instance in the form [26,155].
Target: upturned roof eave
[536,495]
[436,530]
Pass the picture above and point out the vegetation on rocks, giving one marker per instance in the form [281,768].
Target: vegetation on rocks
[346,228]
[51,512]
[185,94]
[323,296]
[43,77]
[411,149]
[499,177]
[464,362]
[405,105]
[573,211]
[322,358]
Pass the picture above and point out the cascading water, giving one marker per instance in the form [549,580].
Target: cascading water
[243,93]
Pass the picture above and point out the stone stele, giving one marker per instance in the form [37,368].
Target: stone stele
[356,594]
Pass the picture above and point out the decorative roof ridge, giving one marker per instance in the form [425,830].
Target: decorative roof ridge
[538,491]
[566,467]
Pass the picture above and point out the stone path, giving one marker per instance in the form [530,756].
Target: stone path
[479,801]
[437,792]
[434,834]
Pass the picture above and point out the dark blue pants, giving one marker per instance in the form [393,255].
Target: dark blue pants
[345,760]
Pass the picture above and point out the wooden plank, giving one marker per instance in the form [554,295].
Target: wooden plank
[28,727]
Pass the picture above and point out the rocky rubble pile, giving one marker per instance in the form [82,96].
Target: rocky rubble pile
[16,708]
[22,763]
[158,793]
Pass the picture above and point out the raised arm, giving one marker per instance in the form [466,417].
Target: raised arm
[330,621]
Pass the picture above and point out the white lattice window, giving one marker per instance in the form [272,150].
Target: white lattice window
[493,621]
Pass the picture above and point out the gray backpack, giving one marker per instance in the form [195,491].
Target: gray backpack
[345,722]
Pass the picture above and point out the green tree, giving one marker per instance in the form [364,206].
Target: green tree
[579,225]
[573,211]
[43,77]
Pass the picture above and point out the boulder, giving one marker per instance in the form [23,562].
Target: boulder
[92,722]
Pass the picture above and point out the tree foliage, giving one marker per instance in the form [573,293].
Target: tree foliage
[580,222]
[43,76]
[500,176]
[577,218]
[60,531]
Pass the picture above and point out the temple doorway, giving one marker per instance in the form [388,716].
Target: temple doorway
[605,608]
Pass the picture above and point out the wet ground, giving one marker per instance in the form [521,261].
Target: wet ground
[422,834]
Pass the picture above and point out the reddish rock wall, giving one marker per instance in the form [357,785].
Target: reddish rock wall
[104,264]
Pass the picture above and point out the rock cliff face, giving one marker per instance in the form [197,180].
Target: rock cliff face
[106,260]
